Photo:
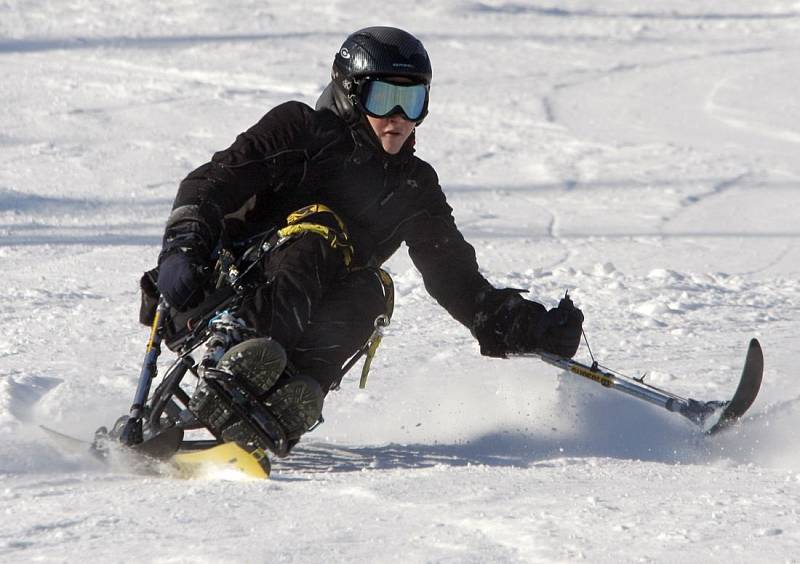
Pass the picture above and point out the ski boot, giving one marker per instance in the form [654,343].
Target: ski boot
[258,362]
[296,402]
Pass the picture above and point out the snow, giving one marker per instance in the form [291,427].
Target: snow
[641,156]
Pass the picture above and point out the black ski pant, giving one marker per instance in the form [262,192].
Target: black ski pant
[318,309]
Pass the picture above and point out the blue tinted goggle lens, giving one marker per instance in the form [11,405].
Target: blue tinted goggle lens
[385,98]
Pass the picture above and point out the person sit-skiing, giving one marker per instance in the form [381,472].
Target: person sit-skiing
[343,184]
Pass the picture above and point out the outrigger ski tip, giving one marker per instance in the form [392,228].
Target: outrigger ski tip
[710,416]
[746,391]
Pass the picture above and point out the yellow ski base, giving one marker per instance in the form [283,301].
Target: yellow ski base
[225,456]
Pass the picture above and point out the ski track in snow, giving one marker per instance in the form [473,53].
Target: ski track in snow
[642,158]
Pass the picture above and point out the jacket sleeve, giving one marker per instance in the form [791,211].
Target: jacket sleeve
[268,158]
[444,258]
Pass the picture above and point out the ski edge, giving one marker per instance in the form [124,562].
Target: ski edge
[64,437]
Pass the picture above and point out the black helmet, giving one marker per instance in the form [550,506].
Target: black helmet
[377,52]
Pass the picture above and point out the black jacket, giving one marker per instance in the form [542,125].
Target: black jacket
[295,156]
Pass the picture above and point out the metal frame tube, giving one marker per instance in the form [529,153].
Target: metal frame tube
[650,394]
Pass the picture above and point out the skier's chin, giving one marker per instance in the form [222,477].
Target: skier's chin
[392,142]
[392,132]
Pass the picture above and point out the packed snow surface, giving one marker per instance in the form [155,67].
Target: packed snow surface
[641,155]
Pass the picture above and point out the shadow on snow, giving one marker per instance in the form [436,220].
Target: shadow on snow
[512,450]
[603,424]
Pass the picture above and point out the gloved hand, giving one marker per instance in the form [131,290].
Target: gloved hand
[180,280]
[507,323]
[559,332]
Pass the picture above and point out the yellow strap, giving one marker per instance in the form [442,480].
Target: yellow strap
[388,291]
[298,228]
[327,233]
[153,330]
[337,239]
[380,323]
[373,347]
[303,213]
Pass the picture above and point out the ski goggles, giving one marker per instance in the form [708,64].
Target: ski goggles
[380,98]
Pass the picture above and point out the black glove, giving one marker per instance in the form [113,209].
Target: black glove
[180,280]
[507,323]
[559,332]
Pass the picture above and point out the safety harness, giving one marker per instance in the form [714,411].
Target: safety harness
[317,219]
